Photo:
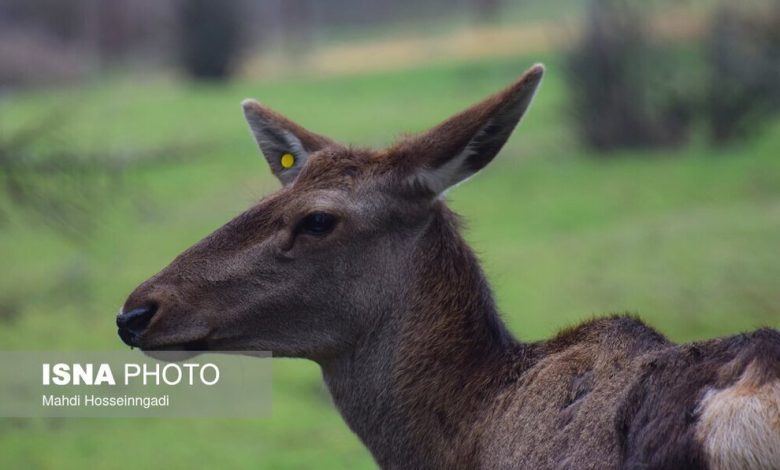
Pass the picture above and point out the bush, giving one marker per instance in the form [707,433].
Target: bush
[744,62]
[623,91]
[210,41]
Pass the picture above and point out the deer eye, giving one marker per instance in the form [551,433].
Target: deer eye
[317,223]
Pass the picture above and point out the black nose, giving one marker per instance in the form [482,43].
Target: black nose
[132,323]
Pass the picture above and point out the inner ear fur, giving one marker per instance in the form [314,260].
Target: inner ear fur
[465,143]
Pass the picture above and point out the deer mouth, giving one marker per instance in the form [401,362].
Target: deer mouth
[137,328]
[146,342]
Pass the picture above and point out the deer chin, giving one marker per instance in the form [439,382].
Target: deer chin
[197,345]
[150,342]
[171,355]
[175,351]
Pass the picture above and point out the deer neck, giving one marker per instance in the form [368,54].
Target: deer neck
[416,385]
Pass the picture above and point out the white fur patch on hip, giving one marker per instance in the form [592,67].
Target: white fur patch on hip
[739,426]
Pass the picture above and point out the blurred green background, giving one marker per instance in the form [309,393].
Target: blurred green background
[645,178]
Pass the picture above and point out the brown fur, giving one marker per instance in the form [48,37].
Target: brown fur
[393,305]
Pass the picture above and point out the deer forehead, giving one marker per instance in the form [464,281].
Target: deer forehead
[336,167]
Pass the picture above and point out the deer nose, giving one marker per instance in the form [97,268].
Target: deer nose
[133,322]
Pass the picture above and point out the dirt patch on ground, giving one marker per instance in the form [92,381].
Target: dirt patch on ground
[468,43]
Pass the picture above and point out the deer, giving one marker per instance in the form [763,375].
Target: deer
[357,264]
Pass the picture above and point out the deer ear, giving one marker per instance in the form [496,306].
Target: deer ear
[464,144]
[285,145]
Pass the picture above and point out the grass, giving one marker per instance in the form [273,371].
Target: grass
[689,240]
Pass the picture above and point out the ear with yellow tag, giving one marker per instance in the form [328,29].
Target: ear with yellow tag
[287,160]
[285,145]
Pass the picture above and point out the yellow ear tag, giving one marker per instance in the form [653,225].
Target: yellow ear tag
[287,160]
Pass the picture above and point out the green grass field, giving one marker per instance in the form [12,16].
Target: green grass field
[689,240]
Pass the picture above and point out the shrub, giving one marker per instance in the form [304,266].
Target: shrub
[623,91]
[743,52]
[210,37]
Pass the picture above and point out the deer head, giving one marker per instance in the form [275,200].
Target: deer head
[329,256]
